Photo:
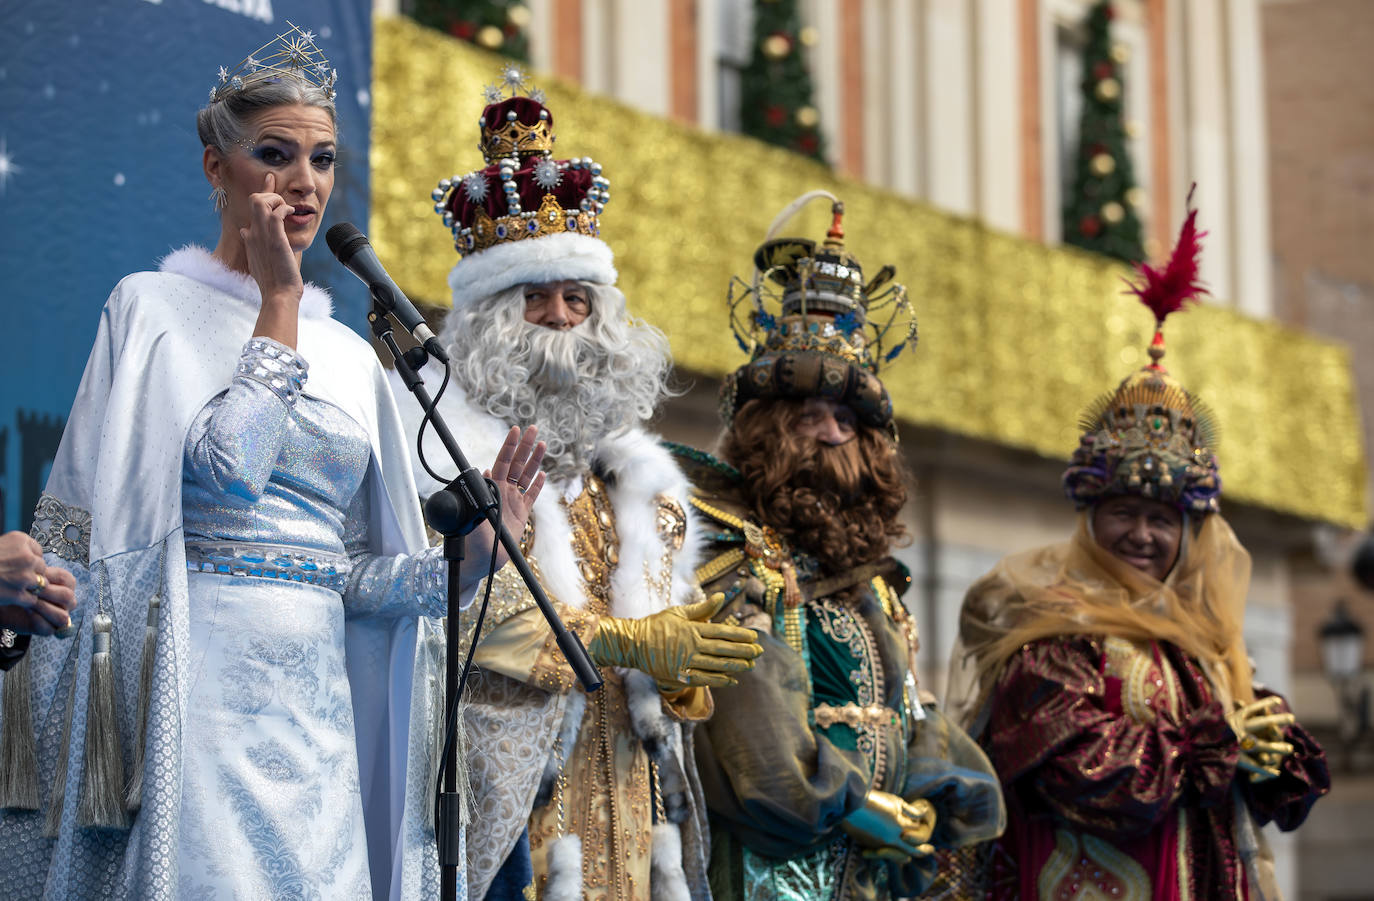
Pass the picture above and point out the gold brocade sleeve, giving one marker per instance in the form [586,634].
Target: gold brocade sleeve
[517,641]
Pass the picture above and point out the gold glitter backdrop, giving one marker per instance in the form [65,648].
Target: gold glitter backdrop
[1016,337]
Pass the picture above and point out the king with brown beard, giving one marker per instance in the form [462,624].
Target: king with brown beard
[827,772]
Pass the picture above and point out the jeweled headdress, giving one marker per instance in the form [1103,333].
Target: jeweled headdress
[291,54]
[813,327]
[1151,437]
[521,194]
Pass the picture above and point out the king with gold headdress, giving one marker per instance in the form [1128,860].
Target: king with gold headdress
[1107,676]
[579,796]
[828,772]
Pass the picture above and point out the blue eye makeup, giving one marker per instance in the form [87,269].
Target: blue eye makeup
[272,156]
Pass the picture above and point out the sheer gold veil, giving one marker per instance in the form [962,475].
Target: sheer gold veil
[1078,588]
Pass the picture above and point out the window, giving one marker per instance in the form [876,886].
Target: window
[734,35]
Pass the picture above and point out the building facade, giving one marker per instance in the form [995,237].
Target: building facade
[961,115]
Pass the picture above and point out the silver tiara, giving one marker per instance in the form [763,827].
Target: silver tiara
[292,54]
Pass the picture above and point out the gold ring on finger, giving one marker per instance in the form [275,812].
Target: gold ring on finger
[40,584]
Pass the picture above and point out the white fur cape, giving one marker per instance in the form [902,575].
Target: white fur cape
[167,343]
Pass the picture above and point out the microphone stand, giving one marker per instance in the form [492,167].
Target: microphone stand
[454,512]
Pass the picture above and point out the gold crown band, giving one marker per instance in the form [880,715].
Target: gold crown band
[550,219]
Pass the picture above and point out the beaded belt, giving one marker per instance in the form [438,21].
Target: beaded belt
[268,561]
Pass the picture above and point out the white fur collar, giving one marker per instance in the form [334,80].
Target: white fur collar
[638,470]
[197,263]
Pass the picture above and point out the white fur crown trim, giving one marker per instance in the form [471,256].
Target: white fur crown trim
[549,259]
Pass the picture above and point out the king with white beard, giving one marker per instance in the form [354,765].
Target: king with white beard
[585,796]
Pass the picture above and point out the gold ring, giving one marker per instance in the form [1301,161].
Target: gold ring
[514,480]
[40,584]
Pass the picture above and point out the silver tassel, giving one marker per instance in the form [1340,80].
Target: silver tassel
[52,824]
[101,802]
[18,751]
[133,798]
[436,743]
[438,668]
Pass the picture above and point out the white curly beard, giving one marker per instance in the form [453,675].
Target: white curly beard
[579,386]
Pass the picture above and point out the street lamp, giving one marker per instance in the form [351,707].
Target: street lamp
[1342,643]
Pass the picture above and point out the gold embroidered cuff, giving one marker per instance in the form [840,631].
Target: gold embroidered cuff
[690,705]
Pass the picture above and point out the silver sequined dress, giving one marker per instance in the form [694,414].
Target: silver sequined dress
[275,517]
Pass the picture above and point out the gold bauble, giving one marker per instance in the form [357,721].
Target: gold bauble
[1121,53]
[518,15]
[1113,212]
[807,117]
[490,37]
[1108,89]
[1103,164]
[1135,197]
[809,36]
[775,46]
[1133,128]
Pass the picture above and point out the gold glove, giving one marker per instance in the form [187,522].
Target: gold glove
[892,829]
[680,647]
[1260,736]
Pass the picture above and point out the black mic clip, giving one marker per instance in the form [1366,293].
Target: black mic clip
[417,357]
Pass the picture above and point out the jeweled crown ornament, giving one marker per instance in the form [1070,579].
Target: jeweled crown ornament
[291,54]
[1151,437]
[812,326]
[522,192]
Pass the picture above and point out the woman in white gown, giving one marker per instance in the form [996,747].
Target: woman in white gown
[233,476]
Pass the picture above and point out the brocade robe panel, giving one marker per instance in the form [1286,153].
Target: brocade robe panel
[1119,770]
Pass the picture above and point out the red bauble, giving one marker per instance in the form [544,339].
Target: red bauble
[1089,226]
[1102,70]
[511,30]
[1109,12]
[807,143]
[775,116]
[463,30]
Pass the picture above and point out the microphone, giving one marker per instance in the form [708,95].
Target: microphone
[352,248]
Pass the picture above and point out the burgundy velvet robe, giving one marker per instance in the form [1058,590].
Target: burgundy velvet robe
[1120,777]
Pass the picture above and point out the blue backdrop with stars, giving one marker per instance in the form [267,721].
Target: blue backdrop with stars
[100,176]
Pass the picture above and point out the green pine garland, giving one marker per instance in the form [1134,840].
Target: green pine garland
[499,25]
[775,93]
[1100,213]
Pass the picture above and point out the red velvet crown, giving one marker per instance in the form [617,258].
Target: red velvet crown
[523,192]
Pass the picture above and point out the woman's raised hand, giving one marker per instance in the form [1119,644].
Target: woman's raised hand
[272,263]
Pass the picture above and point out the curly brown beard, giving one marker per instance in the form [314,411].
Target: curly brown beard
[839,504]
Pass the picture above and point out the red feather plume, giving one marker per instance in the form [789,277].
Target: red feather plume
[1166,290]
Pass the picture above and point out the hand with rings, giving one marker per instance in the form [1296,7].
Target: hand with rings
[35,599]
[518,477]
